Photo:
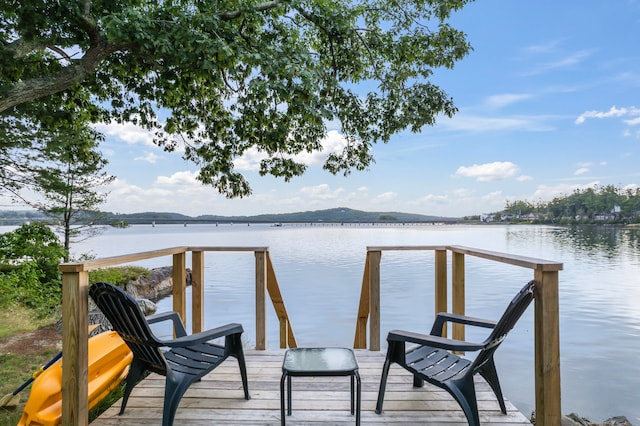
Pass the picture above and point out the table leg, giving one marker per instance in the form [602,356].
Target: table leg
[282,420]
[359,399]
[352,393]
[289,395]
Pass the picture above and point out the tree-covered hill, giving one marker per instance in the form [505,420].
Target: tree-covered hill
[340,214]
[336,215]
[608,204]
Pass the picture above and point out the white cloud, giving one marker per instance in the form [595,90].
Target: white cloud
[524,178]
[386,197]
[185,178]
[613,112]
[431,199]
[462,192]
[498,170]
[127,132]
[494,198]
[179,192]
[542,48]
[500,101]
[586,167]
[565,62]
[250,160]
[548,192]
[149,157]
[333,142]
[320,192]
[474,123]
[125,197]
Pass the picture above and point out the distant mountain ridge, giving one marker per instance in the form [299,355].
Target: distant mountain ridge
[340,214]
[336,215]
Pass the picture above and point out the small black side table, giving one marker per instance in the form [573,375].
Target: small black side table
[310,362]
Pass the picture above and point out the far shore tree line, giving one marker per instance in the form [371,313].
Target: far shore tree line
[600,204]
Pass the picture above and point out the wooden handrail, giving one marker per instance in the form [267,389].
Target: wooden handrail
[287,337]
[75,291]
[546,313]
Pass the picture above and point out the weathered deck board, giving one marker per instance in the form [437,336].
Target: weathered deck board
[218,399]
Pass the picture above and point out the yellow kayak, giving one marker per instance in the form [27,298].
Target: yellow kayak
[109,359]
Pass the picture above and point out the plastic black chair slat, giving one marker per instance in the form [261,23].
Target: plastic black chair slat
[176,359]
[197,354]
[209,349]
[451,369]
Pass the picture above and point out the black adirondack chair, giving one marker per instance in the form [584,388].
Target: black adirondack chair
[431,359]
[183,360]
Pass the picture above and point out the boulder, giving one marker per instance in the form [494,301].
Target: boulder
[154,287]
[574,419]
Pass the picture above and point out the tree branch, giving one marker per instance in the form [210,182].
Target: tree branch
[60,52]
[227,16]
[65,79]
[87,23]
[22,48]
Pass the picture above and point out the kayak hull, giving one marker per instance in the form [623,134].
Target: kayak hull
[109,360]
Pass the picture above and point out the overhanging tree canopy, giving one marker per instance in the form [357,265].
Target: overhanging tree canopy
[221,77]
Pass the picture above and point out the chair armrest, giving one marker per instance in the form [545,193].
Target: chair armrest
[205,336]
[178,327]
[444,317]
[433,341]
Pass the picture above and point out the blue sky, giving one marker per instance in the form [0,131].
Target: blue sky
[548,102]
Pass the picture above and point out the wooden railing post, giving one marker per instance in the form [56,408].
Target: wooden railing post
[547,348]
[261,300]
[197,291]
[441,284]
[457,292]
[374,300]
[179,285]
[75,294]
[360,338]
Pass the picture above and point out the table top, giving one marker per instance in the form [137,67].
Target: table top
[319,361]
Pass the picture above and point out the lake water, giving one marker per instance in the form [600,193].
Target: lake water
[319,269]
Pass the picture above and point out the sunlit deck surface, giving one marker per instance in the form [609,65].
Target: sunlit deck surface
[218,399]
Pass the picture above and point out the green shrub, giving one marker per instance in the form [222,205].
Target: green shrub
[119,276]
[29,274]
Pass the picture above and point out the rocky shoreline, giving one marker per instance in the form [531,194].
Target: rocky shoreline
[156,286]
[575,420]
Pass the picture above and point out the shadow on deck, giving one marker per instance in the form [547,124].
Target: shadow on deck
[218,399]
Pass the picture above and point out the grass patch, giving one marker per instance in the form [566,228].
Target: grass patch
[15,369]
[120,275]
[107,402]
[17,318]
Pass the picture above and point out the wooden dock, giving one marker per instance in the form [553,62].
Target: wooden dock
[218,399]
